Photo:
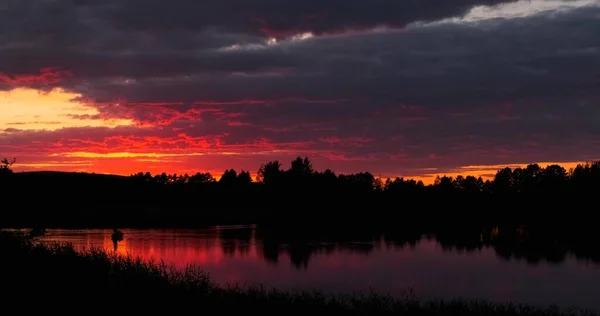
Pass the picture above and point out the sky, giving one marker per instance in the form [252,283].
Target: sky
[411,88]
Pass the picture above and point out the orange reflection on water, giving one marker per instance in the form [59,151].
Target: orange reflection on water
[180,248]
[390,265]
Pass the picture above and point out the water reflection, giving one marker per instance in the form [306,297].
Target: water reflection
[476,264]
[270,245]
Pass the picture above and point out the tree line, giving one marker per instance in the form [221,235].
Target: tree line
[297,195]
[301,175]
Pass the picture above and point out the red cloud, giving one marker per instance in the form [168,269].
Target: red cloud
[46,77]
[167,113]
[343,157]
[181,143]
[349,141]
[103,141]
[269,31]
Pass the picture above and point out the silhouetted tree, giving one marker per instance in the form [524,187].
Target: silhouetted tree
[270,173]
[232,178]
[244,178]
[469,184]
[229,177]
[301,168]
[325,181]
[503,181]
[403,186]
[300,175]
[444,184]
[199,178]
[362,181]
[529,178]
[554,179]
[586,177]
[5,165]
[160,198]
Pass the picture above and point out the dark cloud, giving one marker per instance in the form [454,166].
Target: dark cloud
[419,94]
[253,17]
[85,36]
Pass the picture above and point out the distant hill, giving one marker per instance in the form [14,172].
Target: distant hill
[66,179]
[70,186]
[60,174]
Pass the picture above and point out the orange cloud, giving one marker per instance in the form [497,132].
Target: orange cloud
[30,109]
[57,129]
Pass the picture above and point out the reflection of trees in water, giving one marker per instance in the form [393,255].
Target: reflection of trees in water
[533,245]
[300,253]
[301,245]
[401,238]
[509,242]
[460,239]
[235,240]
[270,250]
[528,251]
[518,242]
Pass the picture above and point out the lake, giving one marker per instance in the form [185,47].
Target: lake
[241,254]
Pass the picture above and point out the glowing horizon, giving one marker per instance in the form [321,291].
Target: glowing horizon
[427,177]
[463,88]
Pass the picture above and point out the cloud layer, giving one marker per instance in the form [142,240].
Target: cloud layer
[394,87]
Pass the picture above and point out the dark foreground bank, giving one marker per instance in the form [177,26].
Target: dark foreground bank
[57,278]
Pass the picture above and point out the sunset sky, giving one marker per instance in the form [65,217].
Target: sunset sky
[408,88]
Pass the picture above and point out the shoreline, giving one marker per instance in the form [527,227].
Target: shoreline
[95,275]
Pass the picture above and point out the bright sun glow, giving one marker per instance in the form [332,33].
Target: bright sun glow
[29,109]
[486,172]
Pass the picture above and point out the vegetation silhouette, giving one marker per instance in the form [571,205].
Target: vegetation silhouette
[299,210]
[5,170]
[301,196]
[134,285]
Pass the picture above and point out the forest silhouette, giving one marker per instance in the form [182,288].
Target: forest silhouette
[299,195]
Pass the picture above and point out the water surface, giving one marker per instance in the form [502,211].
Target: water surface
[240,254]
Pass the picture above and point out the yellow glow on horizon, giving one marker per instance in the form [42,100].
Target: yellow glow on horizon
[126,163]
[30,109]
[486,172]
[566,165]
[83,154]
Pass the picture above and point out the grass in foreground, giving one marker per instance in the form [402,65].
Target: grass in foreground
[57,278]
